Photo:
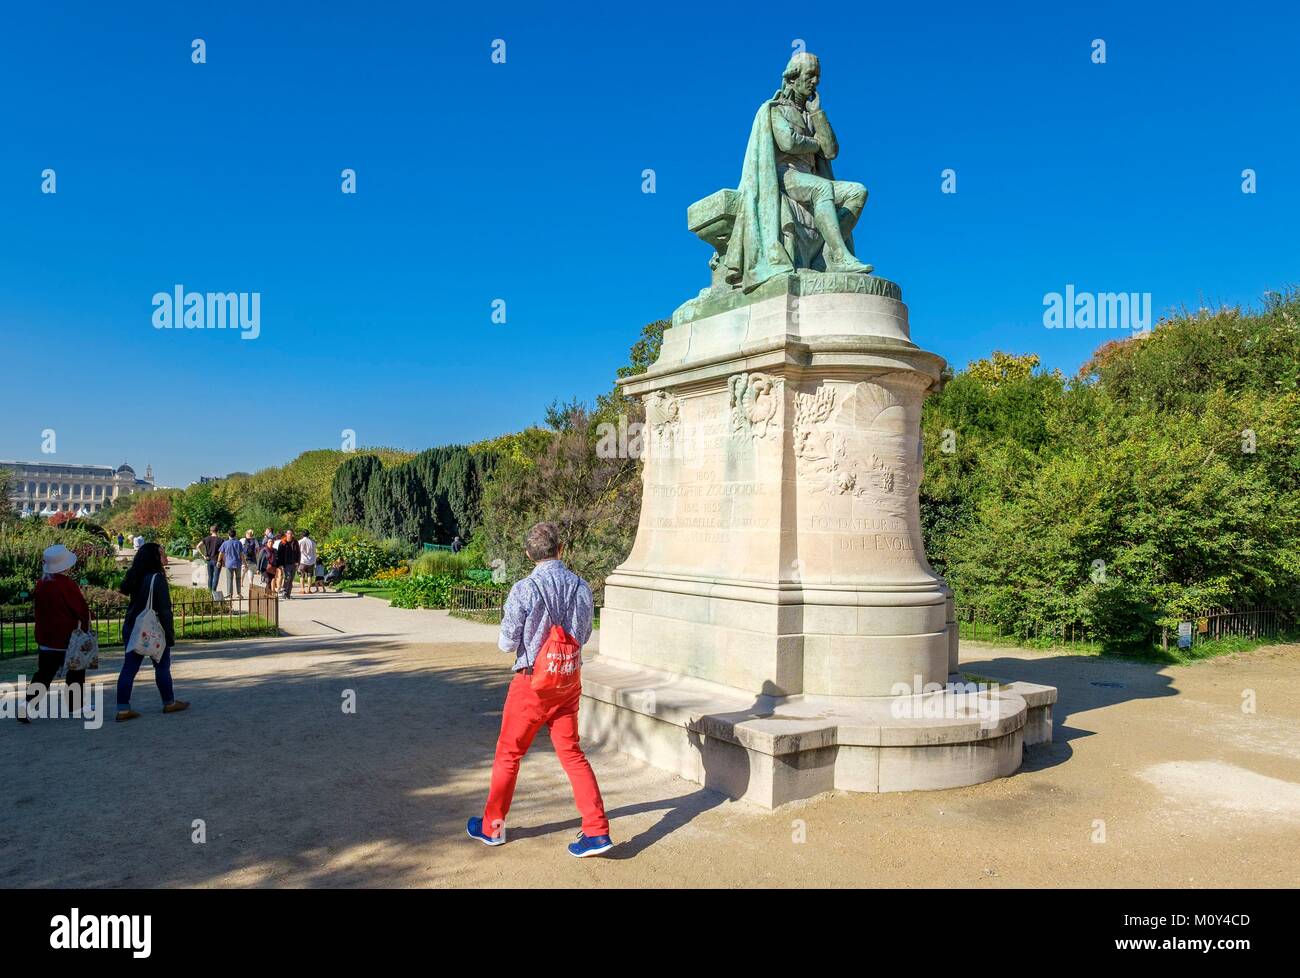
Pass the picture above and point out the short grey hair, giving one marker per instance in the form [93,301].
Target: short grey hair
[542,542]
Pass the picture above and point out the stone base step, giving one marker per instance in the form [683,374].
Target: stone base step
[773,750]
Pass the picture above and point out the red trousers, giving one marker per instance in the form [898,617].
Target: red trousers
[524,715]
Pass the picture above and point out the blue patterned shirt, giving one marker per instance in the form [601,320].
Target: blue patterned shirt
[527,619]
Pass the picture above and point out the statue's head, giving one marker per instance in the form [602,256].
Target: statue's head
[801,75]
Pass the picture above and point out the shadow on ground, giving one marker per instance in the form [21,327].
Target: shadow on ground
[1083,684]
[290,788]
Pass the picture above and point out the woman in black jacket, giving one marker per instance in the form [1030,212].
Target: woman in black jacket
[265,556]
[147,575]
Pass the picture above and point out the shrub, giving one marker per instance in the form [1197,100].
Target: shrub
[256,515]
[1122,617]
[442,562]
[596,501]
[365,556]
[425,591]
[13,587]
[198,508]
[104,600]
[197,600]
[22,544]
[346,532]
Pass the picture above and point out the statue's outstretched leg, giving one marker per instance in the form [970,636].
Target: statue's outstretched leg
[850,198]
[838,257]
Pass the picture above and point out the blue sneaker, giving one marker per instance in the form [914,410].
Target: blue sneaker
[586,846]
[474,828]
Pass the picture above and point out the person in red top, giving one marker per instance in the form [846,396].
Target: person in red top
[60,608]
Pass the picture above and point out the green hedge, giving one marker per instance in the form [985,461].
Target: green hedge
[425,591]
[434,590]
[365,556]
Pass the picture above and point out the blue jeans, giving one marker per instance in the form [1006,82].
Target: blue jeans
[213,573]
[162,675]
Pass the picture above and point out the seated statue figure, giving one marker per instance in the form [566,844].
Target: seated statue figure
[791,212]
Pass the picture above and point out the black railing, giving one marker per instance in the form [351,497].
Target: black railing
[978,625]
[1254,624]
[477,603]
[196,617]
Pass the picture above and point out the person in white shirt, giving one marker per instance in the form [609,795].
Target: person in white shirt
[306,560]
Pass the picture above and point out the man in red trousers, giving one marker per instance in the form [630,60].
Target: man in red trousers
[551,595]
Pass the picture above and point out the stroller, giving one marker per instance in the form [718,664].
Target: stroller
[334,575]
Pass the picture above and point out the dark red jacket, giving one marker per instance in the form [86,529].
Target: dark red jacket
[60,607]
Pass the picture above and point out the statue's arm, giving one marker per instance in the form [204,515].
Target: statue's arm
[788,140]
[826,141]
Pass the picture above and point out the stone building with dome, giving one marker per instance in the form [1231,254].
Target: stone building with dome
[47,488]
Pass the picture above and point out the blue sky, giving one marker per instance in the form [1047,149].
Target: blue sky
[522,181]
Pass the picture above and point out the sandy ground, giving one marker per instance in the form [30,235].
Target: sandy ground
[1157,778]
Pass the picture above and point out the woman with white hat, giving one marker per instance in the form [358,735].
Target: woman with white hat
[60,609]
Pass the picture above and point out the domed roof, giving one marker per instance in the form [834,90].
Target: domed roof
[124,469]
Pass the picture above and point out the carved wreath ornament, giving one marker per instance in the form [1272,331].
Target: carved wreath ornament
[754,401]
[662,413]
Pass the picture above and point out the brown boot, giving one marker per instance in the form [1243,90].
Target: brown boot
[176,707]
[124,715]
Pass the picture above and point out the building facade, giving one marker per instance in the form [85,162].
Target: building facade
[47,488]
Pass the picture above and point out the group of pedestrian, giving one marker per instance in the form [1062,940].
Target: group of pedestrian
[60,610]
[277,560]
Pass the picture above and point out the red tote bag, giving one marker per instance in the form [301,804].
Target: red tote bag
[557,670]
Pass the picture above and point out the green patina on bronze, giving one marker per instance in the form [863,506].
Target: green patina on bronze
[710,302]
[789,213]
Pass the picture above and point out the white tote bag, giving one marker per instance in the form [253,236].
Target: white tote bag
[83,652]
[147,635]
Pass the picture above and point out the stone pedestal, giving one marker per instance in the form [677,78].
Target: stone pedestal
[776,630]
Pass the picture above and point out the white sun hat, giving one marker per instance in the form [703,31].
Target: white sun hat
[58,558]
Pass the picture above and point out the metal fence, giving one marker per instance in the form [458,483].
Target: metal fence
[978,625]
[1256,624]
[198,617]
[477,603]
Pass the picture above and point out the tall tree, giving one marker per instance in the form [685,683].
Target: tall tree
[153,512]
[398,506]
[348,490]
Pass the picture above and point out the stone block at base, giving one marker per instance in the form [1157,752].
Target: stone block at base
[774,750]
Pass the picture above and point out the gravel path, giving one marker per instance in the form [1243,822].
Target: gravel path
[1161,763]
